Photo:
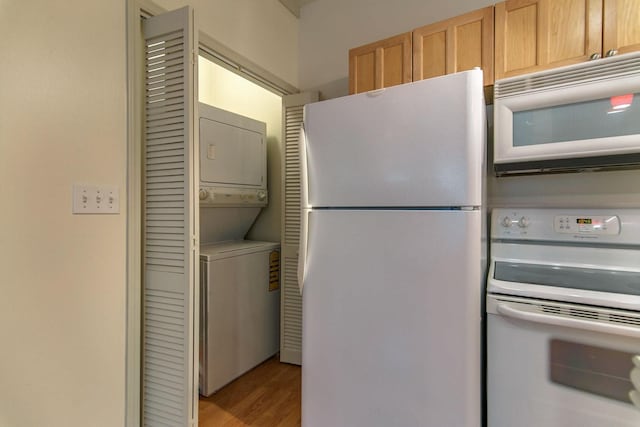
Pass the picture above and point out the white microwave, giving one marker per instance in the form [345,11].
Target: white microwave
[583,116]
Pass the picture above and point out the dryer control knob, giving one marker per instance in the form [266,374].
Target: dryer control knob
[203,194]
[506,221]
[523,222]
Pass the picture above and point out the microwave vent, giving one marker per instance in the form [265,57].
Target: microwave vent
[592,71]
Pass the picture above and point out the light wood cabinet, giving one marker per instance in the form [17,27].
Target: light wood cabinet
[514,37]
[453,45]
[381,64]
[534,35]
[621,26]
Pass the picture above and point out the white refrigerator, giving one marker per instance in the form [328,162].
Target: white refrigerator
[391,258]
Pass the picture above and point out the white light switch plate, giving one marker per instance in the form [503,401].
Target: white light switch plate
[93,199]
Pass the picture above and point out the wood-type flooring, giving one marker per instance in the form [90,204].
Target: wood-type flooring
[266,396]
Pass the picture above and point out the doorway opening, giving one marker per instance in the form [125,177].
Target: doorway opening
[268,394]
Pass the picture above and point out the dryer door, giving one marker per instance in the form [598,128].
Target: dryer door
[232,149]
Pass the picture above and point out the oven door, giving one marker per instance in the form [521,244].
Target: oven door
[557,364]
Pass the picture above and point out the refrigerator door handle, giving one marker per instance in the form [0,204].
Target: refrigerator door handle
[302,250]
[304,212]
[304,181]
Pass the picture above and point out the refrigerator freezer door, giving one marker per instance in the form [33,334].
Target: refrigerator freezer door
[418,144]
[392,319]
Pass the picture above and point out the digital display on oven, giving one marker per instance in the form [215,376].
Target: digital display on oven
[594,225]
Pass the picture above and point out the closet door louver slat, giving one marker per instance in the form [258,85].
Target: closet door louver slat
[168,378]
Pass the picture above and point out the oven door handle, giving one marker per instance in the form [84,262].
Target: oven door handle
[509,311]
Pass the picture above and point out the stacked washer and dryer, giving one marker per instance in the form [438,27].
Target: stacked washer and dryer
[239,279]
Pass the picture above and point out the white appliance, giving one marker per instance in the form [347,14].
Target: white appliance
[580,116]
[233,173]
[239,279]
[232,149]
[391,256]
[240,309]
[563,328]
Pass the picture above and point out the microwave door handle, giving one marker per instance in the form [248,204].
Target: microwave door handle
[509,311]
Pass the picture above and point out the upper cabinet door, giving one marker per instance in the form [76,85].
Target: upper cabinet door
[621,26]
[533,35]
[381,64]
[453,45]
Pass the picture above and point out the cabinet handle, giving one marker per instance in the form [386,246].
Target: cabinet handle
[376,92]
[612,52]
[595,56]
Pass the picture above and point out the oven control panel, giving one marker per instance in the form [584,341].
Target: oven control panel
[617,226]
[583,224]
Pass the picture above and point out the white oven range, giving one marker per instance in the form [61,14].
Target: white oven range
[563,318]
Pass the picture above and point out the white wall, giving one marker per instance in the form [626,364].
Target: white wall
[263,31]
[329,28]
[224,89]
[62,276]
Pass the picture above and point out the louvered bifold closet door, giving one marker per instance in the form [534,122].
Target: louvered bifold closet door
[291,304]
[169,374]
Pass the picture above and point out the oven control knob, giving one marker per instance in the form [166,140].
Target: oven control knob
[506,221]
[203,194]
[523,222]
